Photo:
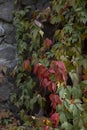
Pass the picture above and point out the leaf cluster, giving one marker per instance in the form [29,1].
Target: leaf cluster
[69,19]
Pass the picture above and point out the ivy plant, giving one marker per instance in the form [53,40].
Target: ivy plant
[45,59]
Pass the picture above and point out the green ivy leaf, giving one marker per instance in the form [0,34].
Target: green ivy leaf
[79,106]
[76,92]
[62,92]
[84,82]
[32,102]
[66,126]
[62,117]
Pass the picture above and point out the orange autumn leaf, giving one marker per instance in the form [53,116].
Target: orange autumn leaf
[72,101]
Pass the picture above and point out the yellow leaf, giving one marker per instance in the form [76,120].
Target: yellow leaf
[41,33]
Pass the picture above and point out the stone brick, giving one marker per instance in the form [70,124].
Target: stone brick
[6,11]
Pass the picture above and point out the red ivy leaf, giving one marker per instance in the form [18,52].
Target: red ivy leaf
[45,82]
[46,128]
[51,71]
[41,71]
[36,68]
[60,70]
[55,99]
[52,87]
[46,73]
[55,119]
[48,42]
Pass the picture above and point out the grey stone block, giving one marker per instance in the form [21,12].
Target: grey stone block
[7,52]
[8,31]
[6,11]
[5,90]
[2,31]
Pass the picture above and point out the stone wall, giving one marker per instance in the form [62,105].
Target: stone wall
[8,58]
[7,50]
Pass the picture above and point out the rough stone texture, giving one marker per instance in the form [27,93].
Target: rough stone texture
[2,1]
[8,28]
[6,9]
[7,51]
[7,63]
[5,90]
[7,33]
[1,31]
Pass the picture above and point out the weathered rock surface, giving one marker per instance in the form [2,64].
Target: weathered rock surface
[7,33]
[5,90]
[2,1]
[6,10]
[7,52]
[7,63]
[1,31]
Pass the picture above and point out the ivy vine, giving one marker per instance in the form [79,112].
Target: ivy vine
[57,33]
